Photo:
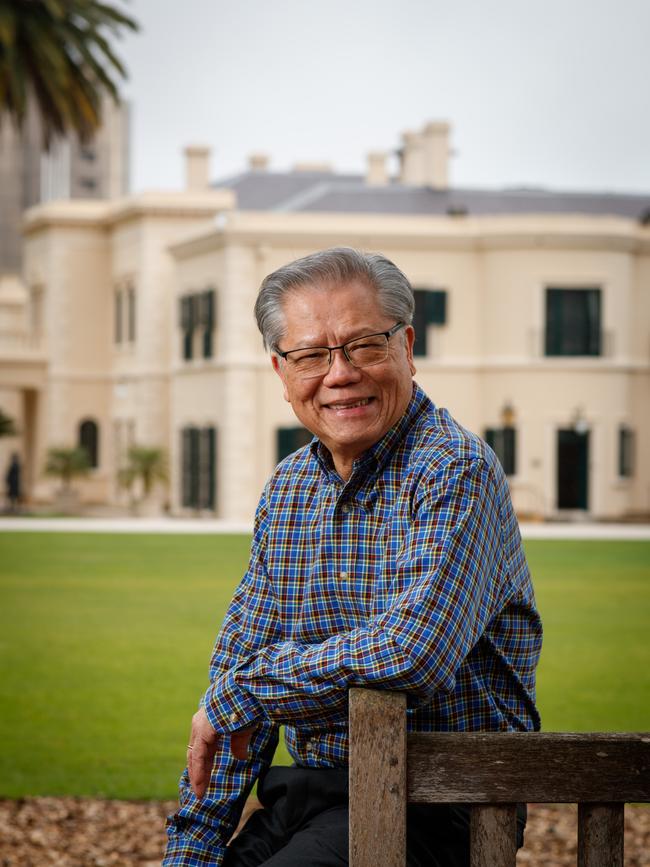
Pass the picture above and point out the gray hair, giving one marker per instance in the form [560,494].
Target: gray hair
[326,268]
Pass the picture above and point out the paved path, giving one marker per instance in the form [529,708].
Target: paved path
[205,526]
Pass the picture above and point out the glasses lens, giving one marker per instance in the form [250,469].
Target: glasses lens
[309,362]
[367,351]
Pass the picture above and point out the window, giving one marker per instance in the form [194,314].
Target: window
[503,441]
[573,325]
[89,441]
[198,456]
[130,312]
[625,452]
[118,307]
[125,312]
[290,439]
[430,309]
[197,316]
[88,183]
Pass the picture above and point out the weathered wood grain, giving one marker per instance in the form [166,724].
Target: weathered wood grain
[600,835]
[492,771]
[377,779]
[490,768]
[493,836]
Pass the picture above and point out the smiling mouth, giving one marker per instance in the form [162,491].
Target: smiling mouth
[349,404]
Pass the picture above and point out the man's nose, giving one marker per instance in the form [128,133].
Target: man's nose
[341,371]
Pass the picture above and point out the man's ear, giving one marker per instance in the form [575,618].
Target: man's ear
[277,366]
[409,333]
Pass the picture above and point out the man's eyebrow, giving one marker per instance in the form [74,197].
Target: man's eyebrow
[352,335]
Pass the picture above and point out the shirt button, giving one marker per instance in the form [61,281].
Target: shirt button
[309,746]
[343,576]
[233,717]
[345,508]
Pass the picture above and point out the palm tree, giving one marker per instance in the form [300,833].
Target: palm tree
[148,465]
[56,52]
[66,463]
[7,426]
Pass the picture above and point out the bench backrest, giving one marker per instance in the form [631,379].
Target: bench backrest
[492,772]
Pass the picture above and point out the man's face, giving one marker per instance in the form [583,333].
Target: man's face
[348,408]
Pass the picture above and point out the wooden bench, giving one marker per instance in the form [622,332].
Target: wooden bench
[492,772]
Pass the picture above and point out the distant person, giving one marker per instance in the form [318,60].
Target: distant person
[386,555]
[12,481]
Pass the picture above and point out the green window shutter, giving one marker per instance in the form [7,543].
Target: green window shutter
[625,452]
[195,467]
[207,300]
[592,312]
[553,322]
[131,313]
[118,316]
[290,439]
[207,343]
[186,468]
[420,322]
[503,442]
[509,458]
[207,308]
[185,310]
[211,434]
[188,341]
[573,322]
[436,306]
[207,446]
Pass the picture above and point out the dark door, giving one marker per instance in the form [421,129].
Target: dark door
[572,469]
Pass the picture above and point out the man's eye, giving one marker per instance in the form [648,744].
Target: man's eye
[367,344]
[310,356]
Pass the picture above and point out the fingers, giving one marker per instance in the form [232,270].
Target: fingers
[239,742]
[201,759]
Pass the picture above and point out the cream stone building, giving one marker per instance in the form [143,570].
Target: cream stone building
[532,318]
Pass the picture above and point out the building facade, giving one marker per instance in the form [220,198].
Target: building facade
[532,322]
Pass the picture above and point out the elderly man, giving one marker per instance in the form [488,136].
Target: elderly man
[385,554]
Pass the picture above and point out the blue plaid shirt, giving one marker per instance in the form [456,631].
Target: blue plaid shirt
[409,576]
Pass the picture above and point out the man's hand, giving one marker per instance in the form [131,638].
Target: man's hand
[204,741]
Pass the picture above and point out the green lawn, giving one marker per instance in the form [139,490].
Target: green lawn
[105,639]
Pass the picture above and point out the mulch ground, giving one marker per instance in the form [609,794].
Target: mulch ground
[77,832]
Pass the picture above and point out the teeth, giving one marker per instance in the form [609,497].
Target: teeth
[363,402]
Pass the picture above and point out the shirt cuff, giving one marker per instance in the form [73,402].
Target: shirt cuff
[184,851]
[228,707]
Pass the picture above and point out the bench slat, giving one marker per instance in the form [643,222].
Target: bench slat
[600,835]
[484,768]
[377,779]
[493,838]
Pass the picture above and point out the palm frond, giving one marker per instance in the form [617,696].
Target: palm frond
[57,52]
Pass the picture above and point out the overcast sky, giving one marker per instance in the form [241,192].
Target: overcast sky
[551,93]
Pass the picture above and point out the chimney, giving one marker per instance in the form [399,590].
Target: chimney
[435,139]
[376,174]
[197,168]
[412,157]
[258,162]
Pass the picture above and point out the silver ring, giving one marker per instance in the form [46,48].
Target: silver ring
[190,747]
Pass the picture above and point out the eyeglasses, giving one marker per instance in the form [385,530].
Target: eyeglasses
[361,352]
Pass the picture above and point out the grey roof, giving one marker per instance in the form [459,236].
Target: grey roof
[301,191]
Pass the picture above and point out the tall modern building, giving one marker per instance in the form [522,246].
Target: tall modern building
[69,170]
[532,322]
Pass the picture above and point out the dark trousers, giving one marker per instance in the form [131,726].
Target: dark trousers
[304,823]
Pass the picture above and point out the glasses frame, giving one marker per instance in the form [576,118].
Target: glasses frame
[344,347]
